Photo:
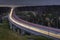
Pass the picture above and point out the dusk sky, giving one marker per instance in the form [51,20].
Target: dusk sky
[30,2]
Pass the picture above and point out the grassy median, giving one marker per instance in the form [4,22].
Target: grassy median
[6,34]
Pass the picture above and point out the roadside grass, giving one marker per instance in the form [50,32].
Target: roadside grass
[6,34]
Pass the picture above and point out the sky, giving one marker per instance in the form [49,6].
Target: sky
[29,2]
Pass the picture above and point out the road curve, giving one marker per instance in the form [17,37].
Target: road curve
[53,33]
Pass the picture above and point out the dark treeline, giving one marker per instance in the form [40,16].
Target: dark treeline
[45,15]
[3,12]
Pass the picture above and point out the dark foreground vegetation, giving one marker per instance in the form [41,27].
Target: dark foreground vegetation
[6,34]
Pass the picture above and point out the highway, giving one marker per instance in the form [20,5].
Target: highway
[52,32]
[33,28]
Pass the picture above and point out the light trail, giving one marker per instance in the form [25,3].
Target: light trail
[32,28]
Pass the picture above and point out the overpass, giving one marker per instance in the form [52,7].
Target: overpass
[31,28]
[21,25]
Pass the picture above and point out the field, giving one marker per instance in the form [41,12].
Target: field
[7,34]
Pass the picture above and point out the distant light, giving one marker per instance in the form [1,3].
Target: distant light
[59,18]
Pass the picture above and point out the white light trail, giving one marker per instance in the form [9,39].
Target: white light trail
[32,28]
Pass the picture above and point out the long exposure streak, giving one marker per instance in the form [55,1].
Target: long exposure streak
[32,28]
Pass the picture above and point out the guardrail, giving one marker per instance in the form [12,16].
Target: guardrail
[33,28]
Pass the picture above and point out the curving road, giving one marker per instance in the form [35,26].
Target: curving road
[55,33]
